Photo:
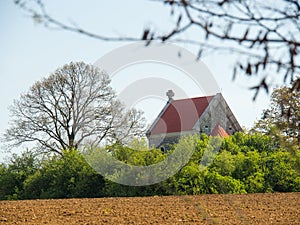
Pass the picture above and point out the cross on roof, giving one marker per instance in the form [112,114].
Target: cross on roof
[170,94]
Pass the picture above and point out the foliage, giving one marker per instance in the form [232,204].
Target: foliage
[14,174]
[64,177]
[137,153]
[282,119]
[279,174]
[244,163]
[218,184]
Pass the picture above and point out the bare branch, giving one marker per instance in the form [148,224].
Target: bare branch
[262,35]
[74,106]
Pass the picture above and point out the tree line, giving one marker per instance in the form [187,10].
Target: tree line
[245,163]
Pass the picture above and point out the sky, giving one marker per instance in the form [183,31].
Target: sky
[29,52]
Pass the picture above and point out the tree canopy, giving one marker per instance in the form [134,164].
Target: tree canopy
[283,115]
[246,163]
[72,107]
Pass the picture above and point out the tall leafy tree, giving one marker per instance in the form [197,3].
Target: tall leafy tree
[72,107]
[283,115]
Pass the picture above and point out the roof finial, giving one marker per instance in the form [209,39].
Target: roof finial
[170,94]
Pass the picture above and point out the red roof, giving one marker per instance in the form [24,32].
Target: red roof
[181,115]
[219,131]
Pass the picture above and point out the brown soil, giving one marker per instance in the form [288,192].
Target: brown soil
[249,209]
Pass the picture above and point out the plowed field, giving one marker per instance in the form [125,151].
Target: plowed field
[249,209]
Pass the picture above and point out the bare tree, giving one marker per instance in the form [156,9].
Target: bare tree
[264,35]
[74,106]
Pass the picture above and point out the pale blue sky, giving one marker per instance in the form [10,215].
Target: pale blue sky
[29,51]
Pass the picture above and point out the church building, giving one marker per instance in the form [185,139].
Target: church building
[206,114]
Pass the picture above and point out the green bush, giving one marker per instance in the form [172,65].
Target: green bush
[242,163]
[64,177]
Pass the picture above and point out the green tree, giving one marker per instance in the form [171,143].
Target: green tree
[13,175]
[218,184]
[281,173]
[190,180]
[135,153]
[64,177]
[224,163]
[282,118]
